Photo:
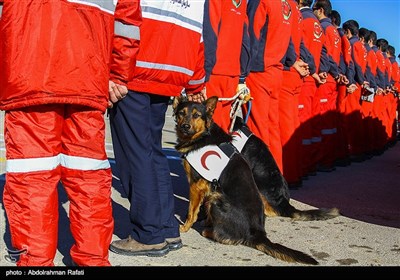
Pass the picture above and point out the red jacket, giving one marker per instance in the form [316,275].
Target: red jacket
[395,76]
[359,55]
[225,31]
[171,56]
[269,28]
[313,36]
[296,27]
[333,46]
[382,75]
[59,51]
[388,64]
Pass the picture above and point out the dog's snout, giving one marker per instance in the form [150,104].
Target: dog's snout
[185,126]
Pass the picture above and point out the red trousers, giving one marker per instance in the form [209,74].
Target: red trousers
[45,145]
[289,124]
[379,119]
[306,110]
[263,121]
[328,123]
[225,87]
[368,130]
[342,124]
[392,108]
[354,132]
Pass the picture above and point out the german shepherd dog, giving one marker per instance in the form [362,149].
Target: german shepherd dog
[235,209]
[271,183]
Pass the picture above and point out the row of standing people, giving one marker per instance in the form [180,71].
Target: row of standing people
[56,99]
[321,96]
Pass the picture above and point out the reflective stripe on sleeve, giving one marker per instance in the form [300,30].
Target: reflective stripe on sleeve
[107,6]
[168,67]
[126,30]
[190,21]
[197,82]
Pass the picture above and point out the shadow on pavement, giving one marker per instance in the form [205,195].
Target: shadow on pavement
[368,191]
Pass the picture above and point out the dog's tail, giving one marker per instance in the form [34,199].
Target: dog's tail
[281,252]
[315,214]
[285,209]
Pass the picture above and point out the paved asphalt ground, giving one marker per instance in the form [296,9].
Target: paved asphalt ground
[366,234]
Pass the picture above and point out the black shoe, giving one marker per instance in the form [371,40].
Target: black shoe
[131,247]
[174,243]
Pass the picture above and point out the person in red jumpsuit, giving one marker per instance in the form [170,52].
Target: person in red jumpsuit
[226,49]
[378,106]
[353,107]
[295,68]
[327,93]
[269,30]
[367,99]
[345,87]
[393,95]
[54,88]
[308,108]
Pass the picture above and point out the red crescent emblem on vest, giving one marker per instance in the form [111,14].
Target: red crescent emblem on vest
[236,134]
[205,156]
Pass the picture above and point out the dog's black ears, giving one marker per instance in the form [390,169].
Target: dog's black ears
[211,104]
[176,100]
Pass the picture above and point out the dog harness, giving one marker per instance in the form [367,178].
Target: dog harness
[240,137]
[211,160]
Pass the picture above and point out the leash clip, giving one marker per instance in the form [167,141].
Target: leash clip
[214,184]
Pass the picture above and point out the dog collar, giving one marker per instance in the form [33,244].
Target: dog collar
[211,160]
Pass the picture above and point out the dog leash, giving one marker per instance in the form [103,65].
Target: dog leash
[241,97]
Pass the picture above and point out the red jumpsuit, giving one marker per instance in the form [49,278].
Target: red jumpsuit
[394,100]
[353,108]
[269,28]
[389,100]
[55,65]
[224,34]
[343,123]
[327,94]
[366,106]
[313,38]
[289,122]
[378,107]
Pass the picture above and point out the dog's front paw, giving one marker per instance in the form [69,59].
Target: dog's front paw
[184,228]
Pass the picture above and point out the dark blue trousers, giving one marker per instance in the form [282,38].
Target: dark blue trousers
[137,122]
